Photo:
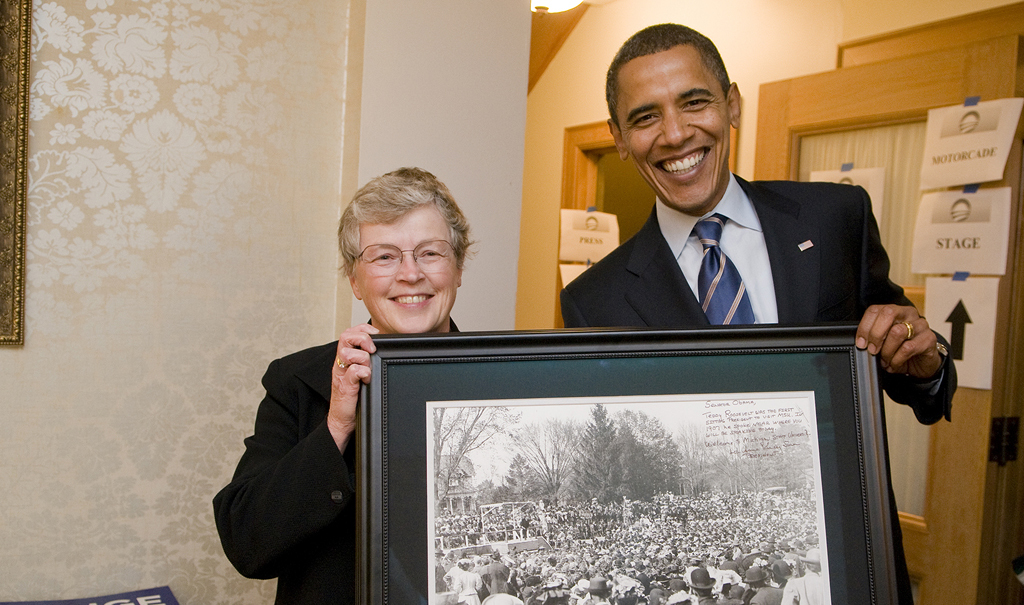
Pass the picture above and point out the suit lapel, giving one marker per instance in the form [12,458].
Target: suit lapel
[317,373]
[660,296]
[795,272]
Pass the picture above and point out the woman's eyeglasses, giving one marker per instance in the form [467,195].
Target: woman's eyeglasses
[382,260]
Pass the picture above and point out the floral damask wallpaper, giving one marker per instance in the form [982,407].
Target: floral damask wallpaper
[184,169]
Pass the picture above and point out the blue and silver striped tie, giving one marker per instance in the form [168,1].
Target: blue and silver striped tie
[719,285]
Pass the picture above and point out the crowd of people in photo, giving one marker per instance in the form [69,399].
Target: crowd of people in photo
[731,549]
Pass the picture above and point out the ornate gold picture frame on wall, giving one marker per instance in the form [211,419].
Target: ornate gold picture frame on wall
[15,27]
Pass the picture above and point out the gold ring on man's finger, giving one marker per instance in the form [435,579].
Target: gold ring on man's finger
[341,364]
[910,330]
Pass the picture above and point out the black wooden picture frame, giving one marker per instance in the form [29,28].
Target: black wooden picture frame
[395,558]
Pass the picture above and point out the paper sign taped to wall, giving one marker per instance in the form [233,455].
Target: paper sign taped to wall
[587,236]
[871,179]
[570,271]
[964,312]
[968,144]
[962,232]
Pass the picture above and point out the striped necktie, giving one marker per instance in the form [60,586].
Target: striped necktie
[719,285]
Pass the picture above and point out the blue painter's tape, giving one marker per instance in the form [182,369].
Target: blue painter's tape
[591,208]
[971,188]
[961,275]
[971,101]
[847,167]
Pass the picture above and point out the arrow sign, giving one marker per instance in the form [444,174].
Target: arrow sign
[975,352]
[959,319]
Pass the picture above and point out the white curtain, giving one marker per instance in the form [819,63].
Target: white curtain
[898,148]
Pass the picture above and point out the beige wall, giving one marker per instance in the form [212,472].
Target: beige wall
[760,41]
[188,162]
[865,18]
[183,187]
[455,104]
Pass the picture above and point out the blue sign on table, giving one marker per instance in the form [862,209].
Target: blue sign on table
[151,596]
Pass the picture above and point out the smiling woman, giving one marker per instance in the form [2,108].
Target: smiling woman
[289,512]
[404,210]
[407,274]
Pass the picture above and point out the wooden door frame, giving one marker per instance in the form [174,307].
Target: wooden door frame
[582,148]
[982,503]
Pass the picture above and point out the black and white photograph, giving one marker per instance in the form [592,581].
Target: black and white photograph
[651,499]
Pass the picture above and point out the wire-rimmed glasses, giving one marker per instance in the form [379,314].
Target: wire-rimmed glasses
[432,256]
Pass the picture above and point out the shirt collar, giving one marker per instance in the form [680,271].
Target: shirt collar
[676,226]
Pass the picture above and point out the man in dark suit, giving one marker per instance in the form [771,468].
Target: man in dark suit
[781,252]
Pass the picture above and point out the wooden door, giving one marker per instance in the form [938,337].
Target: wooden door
[960,543]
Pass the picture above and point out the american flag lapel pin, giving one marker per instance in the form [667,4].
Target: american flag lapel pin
[804,246]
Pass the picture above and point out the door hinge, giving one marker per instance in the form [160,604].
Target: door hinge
[1002,444]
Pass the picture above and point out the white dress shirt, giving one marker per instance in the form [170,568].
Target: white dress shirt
[742,241]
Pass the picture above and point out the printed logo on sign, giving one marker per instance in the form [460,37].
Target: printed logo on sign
[972,120]
[589,222]
[962,210]
[969,122]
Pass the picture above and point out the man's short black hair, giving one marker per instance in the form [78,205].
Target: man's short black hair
[655,39]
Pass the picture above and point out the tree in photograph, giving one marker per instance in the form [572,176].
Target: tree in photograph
[459,431]
[550,450]
[761,461]
[519,484]
[733,472]
[487,492]
[775,453]
[793,465]
[649,456]
[599,472]
[696,461]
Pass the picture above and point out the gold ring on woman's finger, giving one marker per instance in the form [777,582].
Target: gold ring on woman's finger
[910,330]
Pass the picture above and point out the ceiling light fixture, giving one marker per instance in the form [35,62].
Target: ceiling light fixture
[553,6]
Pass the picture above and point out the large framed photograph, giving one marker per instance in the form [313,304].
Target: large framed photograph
[618,462]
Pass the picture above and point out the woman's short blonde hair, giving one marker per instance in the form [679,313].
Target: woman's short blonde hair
[387,198]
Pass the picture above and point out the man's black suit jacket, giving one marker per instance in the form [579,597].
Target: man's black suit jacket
[843,271]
